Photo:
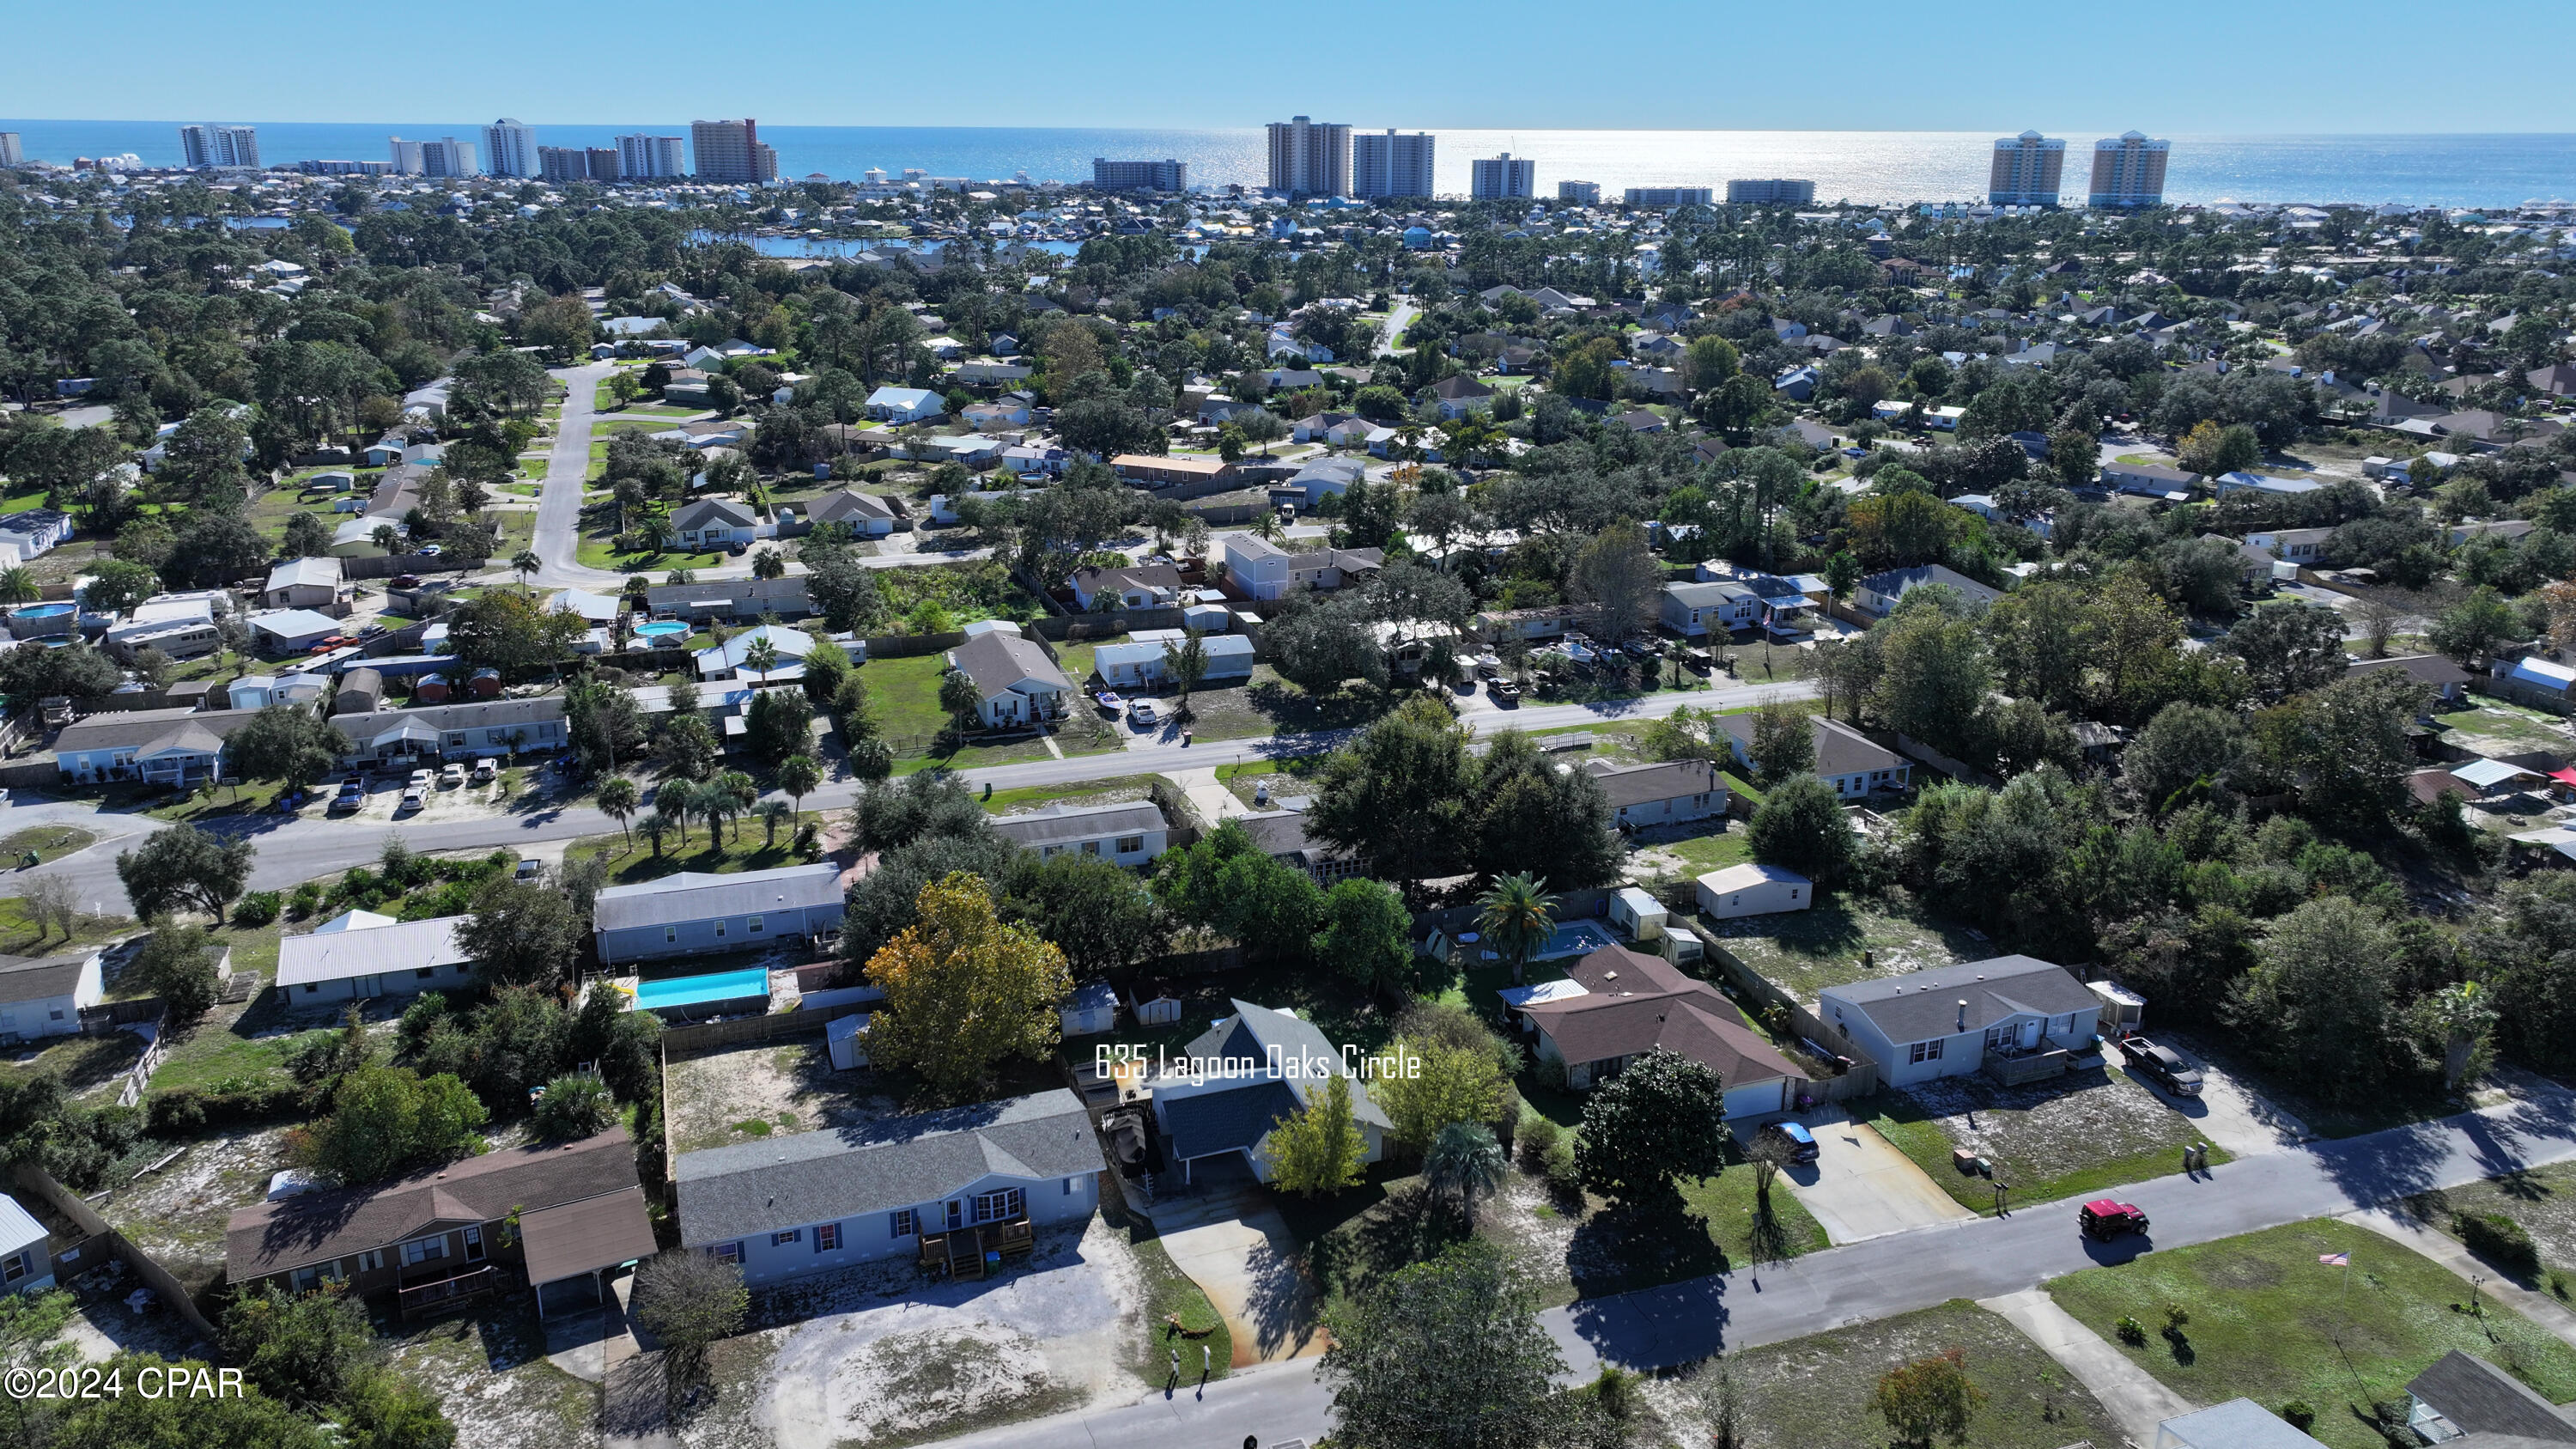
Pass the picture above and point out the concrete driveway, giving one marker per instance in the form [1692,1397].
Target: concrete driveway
[1231,1242]
[1860,1186]
[2226,1112]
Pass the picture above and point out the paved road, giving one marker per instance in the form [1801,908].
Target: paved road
[1986,1258]
[1398,317]
[292,851]
[558,536]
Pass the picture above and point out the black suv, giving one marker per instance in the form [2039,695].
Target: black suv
[2162,1066]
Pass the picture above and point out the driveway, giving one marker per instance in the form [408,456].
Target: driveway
[1231,1242]
[1860,1186]
[2227,1112]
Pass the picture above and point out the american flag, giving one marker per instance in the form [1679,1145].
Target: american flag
[2335,1260]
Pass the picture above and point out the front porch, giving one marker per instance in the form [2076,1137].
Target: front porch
[969,1254]
[430,1296]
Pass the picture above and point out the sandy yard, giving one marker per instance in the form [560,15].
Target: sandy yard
[489,1374]
[749,1092]
[2044,1132]
[178,1214]
[878,1355]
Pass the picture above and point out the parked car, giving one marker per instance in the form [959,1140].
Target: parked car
[1143,712]
[2162,1065]
[420,780]
[453,777]
[428,550]
[353,793]
[1505,692]
[1793,1137]
[528,869]
[485,772]
[413,797]
[2103,1219]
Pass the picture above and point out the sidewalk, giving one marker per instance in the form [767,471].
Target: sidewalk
[2131,1393]
[2398,1226]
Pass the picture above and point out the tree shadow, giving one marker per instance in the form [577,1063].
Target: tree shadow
[1645,1244]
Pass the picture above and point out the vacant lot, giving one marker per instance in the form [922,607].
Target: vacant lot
[87,1066]
[748,1092]
[178,1213]
[2271,1323]
[2543,1201]
[489,1374]
[2493,727]
[1843,939]
[1816,1391]
[2088,1129]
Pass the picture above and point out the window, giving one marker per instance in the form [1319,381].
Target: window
[720,930]
[15,1267]
[456,740]
[426,972]
[1068,1187]
[312,986]
[780,1240]
[1091,847]
[728,1252]
[424,1250]
[370,1260]
[994,1207]
[755,925]
[474,1245]
[670,935]
[1923,1051]
[903,1223]
[827,1238]
[1130,844]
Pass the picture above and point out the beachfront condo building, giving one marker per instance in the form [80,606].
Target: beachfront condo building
[732,151]
[1502,178]
[2129,170]
[446,156]
[1774,191]
[1665,198]
[1108,175]
[226,147]
[1310,158]
[510,148]
[2026,171]
[1386,167]
[650,158]
[1579,193]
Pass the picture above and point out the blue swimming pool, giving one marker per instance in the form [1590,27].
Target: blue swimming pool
[661,629]
[42,611]
[1576,938]
[680,991]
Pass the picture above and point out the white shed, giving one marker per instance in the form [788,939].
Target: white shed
[1637,913]
[1753,890]
[1092,1010]
[846,1037]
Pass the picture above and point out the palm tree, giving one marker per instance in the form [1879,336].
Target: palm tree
[525,562]
[618,798]
[386,537]
[657,825]
[798,775]
[2463,1016]
[769,563]
[1464,1163]
[740,793]
[18,586]
[760,657]
[1518,918]
[771,814]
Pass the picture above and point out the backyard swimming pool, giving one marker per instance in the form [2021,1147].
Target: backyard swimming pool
[661,629]
[42,611]
[679,991]
[1576,938]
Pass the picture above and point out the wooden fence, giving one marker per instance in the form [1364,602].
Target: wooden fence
[106,1241]
[679,1042]
[1859,1081]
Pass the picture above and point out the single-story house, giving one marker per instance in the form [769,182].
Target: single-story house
[594,609]
[177,747]
[2296,545]
[360,955]
[905,405]
[1136,586]
[34,532]
[1616,1005]
[1132,834]
[467,730]
[2448,681]
[1695,610]
[1667,793]
[729,660]
[733,600]
[2465,1399]
[1138,660]
[2236,1424]
[1459,396]
[694,913]
[1877,594]
[303,583]
[1854,764]
[292,631]
[1281,835]
[1321,479]
[1749,889]
[1245,1075]
[866,514]
[44,995]
[26,1250]
[2150,480]
[1546,621]
[711,523]
[1946,1021]
[810,1202]
[1016,681]
[559,1217]
[2544,678]
[1261,569]
[1151,470]
[2244,482]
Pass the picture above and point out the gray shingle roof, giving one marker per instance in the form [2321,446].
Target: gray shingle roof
[1921,1005]
[2483,1399]
[1637,784]
[148,730]
[821,1177]
[34,978]
[1238,1116]
[997,660]
[1060,823]
[707,511]
[697,896]
[1840,749]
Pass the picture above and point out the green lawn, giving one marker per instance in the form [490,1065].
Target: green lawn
[1169,1293]
[1815,1391]
[2492,726]
[1842,939]
[1087,792]
[2542,1200]
[1729,844]
[2047,1140]
[21,936]
[2271,1323]
[81,1063]
[743,849]
[48,841]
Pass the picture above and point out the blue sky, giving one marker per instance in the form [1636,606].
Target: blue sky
[2172,67]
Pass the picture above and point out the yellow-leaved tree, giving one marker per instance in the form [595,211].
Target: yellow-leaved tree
[1318,1149]
[963,991]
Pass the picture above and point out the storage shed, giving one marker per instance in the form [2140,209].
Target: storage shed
[1753,890]
[847,1037]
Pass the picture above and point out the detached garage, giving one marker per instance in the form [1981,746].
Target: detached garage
[1753,890]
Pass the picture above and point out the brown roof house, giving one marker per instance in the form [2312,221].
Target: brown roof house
[559,1217]
[1016,681]
[1616,1005]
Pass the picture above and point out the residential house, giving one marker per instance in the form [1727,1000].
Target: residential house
[34,532]
[1138,661]
[1260,569]
[1318,427]
[741,601]
[1877,594]
[1856,766]
[26,1250]
[2501,530]
[466,730]
[1148,470]
[2244,482]
[303,583]
[2465,1400]
[1696,610]
[731,659]
[1547,621]
[1132,834]
[1753,890]
[1459,396]
[905,405]
[2305,546]
[360,955]
[989,417]
[2448,681]
[1281,835]
[993,374]
[811,1202]
[1948,1021]
[1136,586]
[1241,1078]
[2236,1424]
[43,996]
[1667,793]
[291,631]
[561,1216]
[714,523]
[1320,479]
[697,914]
[1017,682]
[180,748]
[2150,480]
[1798,384]
[1617,1004]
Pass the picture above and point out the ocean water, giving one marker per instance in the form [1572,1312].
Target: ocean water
[1861,166]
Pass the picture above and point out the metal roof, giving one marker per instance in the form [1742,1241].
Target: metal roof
[368,948]
[697,896]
